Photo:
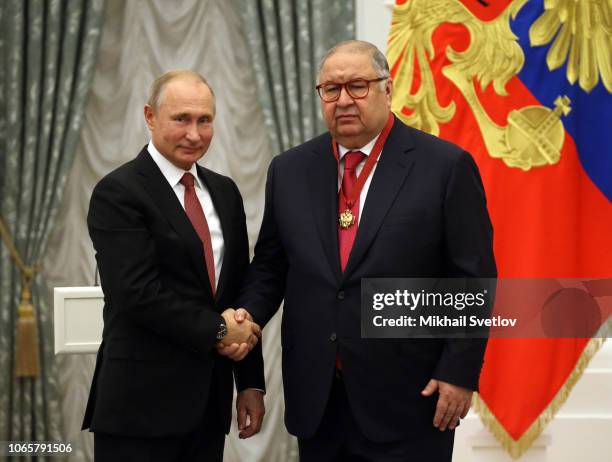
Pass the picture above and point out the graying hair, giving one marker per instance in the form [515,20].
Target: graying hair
[379,61]
[156,94]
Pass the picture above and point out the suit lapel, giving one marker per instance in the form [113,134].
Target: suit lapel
[323,186]
[391,172]
[165,198]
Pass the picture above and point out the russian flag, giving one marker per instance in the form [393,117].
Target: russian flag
[543,143]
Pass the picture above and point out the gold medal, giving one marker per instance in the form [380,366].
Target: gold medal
[346,219]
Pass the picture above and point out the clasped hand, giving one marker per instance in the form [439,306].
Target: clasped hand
[242,334]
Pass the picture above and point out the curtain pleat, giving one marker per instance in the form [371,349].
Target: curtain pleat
[48,51]
[287,39]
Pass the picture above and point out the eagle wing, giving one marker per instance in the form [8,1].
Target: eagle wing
[493,56]
[581,34]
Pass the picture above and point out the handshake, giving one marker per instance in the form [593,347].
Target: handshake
[242,334]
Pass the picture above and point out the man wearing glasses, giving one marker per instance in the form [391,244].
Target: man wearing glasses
[371,198]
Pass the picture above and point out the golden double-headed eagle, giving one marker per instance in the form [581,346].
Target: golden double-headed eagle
[580,32]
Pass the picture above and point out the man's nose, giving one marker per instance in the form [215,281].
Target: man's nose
[345,99]
[192,132]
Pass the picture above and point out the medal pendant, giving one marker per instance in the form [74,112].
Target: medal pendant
[346,219]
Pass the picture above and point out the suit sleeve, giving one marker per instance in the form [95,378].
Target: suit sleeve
[469,248]
[264,286]
[249,373]
[127,258]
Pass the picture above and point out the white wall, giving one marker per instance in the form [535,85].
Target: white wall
[373,21]
[582,430]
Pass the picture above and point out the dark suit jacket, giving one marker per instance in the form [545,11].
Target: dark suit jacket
[425,216]
[157,359]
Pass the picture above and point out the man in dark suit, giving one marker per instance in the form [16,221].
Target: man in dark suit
[334,214]
[171,243]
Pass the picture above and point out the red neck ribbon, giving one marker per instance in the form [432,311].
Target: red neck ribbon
[370,162]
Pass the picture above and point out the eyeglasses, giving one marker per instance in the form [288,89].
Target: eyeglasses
[357,89]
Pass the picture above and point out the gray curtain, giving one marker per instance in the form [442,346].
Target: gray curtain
[287,39]
[48,51]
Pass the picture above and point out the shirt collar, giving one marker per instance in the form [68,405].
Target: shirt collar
[171,172]
[367,149]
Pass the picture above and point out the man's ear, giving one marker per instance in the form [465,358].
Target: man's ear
[149,116]
[389,89]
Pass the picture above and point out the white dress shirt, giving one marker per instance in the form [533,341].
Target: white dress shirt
[173,175]
[367,149]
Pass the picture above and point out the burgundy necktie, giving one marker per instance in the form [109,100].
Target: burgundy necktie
[346,237]
[194,211]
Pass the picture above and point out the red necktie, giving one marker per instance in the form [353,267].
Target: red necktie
[194,211]
[346,237]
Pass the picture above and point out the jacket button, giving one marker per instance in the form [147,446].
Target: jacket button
[340,295]
[333,337]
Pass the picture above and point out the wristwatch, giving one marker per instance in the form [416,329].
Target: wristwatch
[222,332]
